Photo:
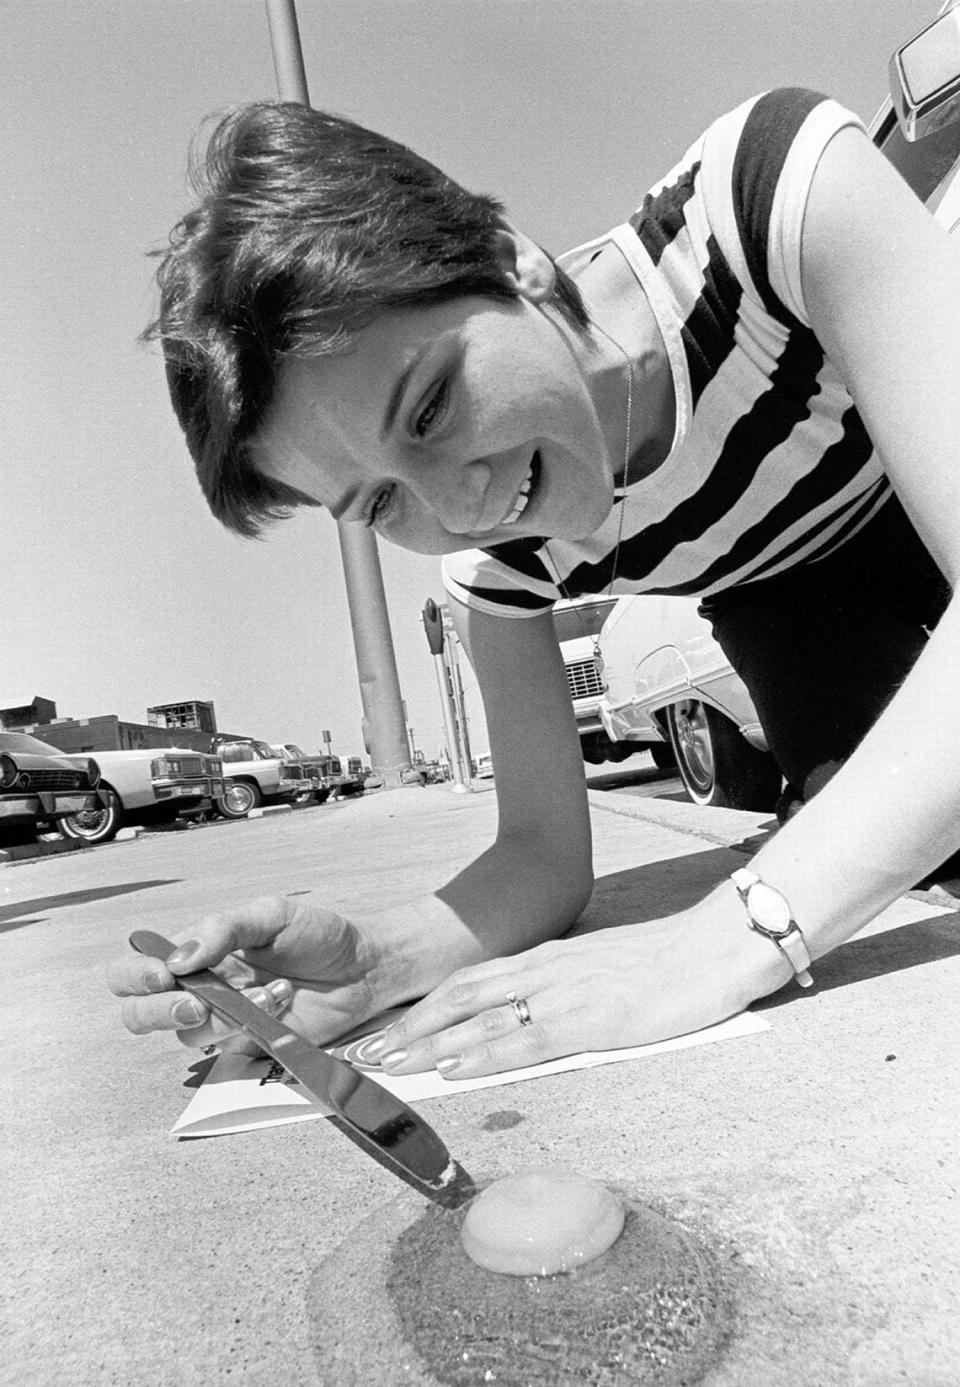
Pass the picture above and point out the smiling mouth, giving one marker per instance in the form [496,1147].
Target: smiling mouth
[527,488]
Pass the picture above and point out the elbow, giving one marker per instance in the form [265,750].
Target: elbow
[572,883]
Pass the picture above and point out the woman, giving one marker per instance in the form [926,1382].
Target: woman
[745,394]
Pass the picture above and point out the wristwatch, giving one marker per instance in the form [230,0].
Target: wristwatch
[769,913]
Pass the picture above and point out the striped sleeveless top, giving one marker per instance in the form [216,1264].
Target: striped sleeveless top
[771,466]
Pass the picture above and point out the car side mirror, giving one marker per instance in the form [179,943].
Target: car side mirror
[925,76]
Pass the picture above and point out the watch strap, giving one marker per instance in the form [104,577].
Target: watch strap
[789,941]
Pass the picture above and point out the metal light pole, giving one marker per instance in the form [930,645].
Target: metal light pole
[384,726]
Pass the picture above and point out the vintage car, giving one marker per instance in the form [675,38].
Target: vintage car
[315,767]
[149,785]
[39,785]
[670,690]
[254,774]
[665,678]
[578,622]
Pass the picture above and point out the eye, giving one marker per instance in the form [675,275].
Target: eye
[432,411]
[380,506]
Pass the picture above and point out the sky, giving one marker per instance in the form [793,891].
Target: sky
[120,591]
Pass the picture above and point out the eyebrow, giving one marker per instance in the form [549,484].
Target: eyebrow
[397,393]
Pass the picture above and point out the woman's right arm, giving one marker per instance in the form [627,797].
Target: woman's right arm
[529,885]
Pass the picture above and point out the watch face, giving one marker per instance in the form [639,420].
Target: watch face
[768,908]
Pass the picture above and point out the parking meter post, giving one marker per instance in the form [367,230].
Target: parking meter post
[384,723]
[456,692]
[449,726]
[460,703]
[433,626]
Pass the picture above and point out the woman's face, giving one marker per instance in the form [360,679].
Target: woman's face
[454,426]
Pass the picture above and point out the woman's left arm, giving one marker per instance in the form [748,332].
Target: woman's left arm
[881,282]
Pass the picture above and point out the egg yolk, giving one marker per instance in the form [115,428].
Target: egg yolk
[540,1222]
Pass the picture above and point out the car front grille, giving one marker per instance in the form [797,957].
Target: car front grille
[583,679]
[290,771]
[53,779]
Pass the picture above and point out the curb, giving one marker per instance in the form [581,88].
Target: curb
[737,828]
[724,827]
[28,852]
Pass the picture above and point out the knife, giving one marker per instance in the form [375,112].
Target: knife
[380,1124]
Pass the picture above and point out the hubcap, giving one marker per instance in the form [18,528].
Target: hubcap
[694,736]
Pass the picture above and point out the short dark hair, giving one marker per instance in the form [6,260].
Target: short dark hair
[307,227]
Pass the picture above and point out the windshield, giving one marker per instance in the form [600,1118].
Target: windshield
[925,163]
[240,751]
[20,741]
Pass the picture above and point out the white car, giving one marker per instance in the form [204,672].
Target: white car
[578,622]
[664,677]
[149,785]
[255,774]
[670,689]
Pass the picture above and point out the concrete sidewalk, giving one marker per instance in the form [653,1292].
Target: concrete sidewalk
[823,1150]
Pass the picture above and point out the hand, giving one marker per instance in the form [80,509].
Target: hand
[280,950]
[615,988]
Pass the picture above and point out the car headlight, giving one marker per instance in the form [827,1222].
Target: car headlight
[164,767]
[93,771]
[9,770]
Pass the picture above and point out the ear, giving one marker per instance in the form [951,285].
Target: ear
[528,268]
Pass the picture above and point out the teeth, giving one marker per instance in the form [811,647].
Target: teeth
[520,504]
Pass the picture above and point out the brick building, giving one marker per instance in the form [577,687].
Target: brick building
[110,733]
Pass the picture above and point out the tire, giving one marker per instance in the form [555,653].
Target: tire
[718,766]
[239,799]
[96,825]
[663,757]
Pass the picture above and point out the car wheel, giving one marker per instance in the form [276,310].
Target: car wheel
[96,825]
[717,764]
[238,799]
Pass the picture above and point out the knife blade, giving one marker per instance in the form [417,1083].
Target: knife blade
[363,1110]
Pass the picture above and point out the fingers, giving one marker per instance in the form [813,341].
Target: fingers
[197,1027]
[208,944]
[491,1042]
[148,986]
[468,1027]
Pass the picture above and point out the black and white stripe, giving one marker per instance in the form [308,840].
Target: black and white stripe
[771,466]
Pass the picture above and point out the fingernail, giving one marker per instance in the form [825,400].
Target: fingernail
[281,990]
[260,998]
[154,982]
[451,1062]
[373,1047]
[188,1012]
[394,1057]
[183,953]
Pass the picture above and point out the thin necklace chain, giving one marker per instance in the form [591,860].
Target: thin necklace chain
[626,483]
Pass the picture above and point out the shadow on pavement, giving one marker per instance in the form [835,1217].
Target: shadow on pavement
[876,955]
[655,889]
[46,904]
[662,888]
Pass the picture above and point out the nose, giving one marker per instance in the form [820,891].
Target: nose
[458,497]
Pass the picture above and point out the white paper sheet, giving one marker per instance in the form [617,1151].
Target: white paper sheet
[239,1093]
